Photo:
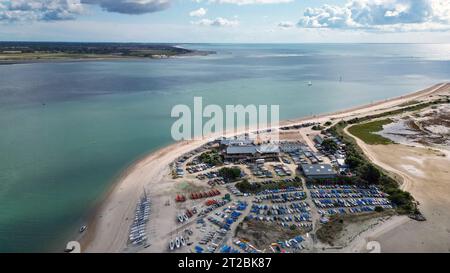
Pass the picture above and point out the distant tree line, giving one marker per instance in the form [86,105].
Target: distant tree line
[125,49]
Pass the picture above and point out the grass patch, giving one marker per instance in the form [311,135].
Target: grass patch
[412,108]
[366,131]
[255,187]
[230,174]
[331,232]
[211,157]
[262,234]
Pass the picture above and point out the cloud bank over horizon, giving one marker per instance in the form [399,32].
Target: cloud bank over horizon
[227,20]
[130,6]
[39,10]
[57,10]
[245,2]
[376,15]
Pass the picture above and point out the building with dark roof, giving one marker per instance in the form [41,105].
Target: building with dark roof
[245,150]
[251,152]
[318,139]
[236,142]
[318,170]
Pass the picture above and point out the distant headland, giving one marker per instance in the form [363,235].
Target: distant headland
[27,52]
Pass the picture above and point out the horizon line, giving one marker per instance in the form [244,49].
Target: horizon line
[218,43]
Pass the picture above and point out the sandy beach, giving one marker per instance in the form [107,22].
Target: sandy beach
[109,227]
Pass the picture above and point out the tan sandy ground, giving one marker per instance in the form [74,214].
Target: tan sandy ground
[425,173]
[109,227]
[427,177]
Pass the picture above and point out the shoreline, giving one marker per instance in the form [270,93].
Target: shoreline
[120,200]
[102,59]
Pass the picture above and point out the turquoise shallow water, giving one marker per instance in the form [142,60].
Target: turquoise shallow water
[68,129]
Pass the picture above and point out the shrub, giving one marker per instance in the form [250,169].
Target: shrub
[329,145]
[369,173]
[212,158]
[230,174]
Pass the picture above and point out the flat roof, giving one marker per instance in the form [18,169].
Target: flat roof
[268,148]
[241,150]
[318,169]
[253,149]
[236,141]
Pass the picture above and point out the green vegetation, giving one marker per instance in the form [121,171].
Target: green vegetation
[353,161]
[317,128]
[365,131]
[329,145]
[415,107]
[247,187]
[227,196]
[11,52]
[261,234]
[369,173]
[211,157]
[344,180]
[328,123]
[230,174]
[331,232]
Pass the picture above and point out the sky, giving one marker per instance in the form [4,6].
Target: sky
[227,21]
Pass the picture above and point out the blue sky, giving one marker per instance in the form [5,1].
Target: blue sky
[259,21]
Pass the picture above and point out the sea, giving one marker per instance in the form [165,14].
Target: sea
[68,129]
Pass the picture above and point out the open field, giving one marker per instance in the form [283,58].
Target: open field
[366,131]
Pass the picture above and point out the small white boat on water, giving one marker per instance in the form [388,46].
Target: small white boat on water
[83,228]
[310,83]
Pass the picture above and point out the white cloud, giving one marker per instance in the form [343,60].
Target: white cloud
[198,13]
[286,24]
[383,15]
[39,10]
[218,22]
[53,10]
[130,6]
[246,2]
